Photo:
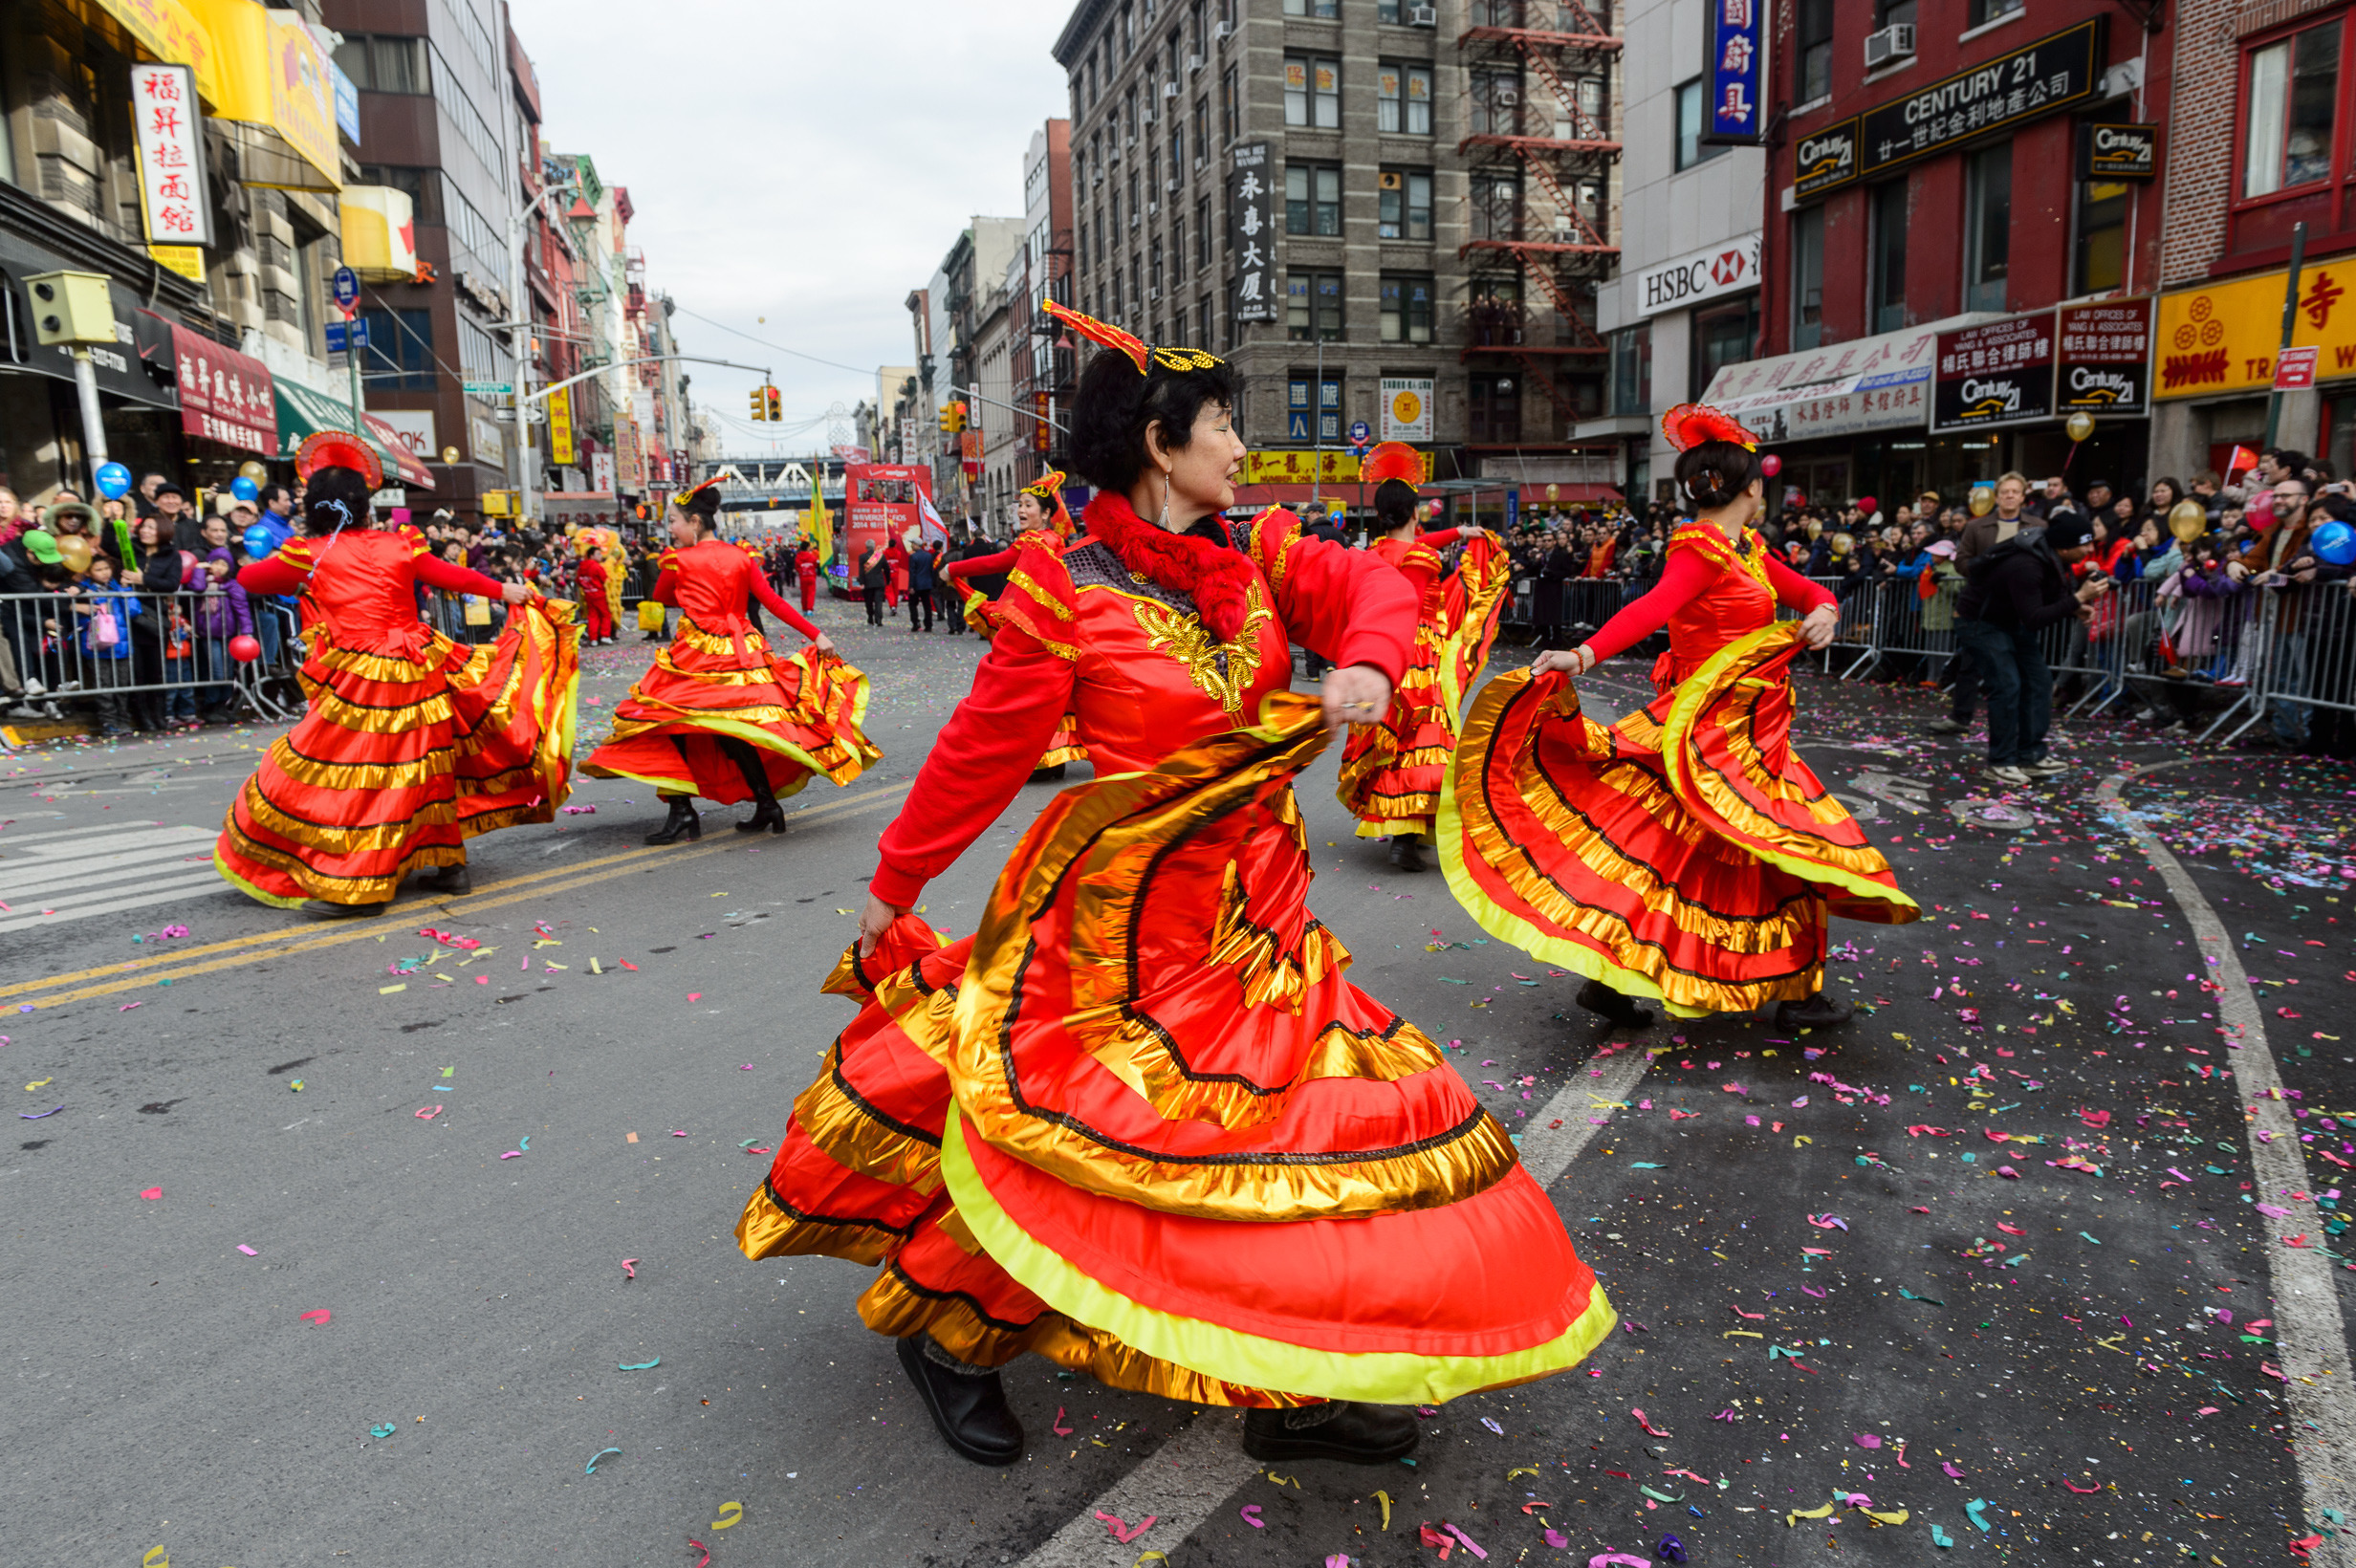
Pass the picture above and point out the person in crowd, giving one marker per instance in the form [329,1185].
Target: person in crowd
[1557,567]
[923,563]
[221,613]
[806,573]
[875,572]
[896,579]
[105,611]
[1980,535]
[2268,566]
[2014,590]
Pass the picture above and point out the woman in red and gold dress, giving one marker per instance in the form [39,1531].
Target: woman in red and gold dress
[1392,769]
[1139,1123]
[597,615]
[1686,852]
[1043,523]
[718,715]
[413,744]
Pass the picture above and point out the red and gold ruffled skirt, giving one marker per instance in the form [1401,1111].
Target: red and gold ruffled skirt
[800,715]
[1139,1123]
[1686,852]
[404,754]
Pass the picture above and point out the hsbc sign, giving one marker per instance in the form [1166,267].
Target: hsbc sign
[1705,274]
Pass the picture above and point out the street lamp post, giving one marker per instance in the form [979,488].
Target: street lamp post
[521,337]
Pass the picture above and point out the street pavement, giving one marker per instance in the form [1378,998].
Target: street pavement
[2029,1264]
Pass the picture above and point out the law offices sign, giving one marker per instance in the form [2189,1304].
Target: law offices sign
[1705,274]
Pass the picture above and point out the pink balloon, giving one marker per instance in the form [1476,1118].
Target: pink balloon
[1771,465]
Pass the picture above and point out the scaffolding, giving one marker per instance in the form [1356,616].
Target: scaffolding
[1561,145]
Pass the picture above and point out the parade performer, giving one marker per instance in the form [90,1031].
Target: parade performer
[1686,852]
[597,629]
[1043,522]
[1391,770]
[1138,1122]
[413,743]
[806,570]
[718,715]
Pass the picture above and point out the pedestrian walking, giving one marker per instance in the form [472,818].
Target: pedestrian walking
[2012,592]
[874,572]
[921,584]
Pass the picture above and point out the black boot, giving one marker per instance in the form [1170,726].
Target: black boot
[1047,776]
[1818,1012]
[969,1412]
[343,911]
[682,819]
[448,881]
[1407,852]
[1622,1010]
[768,814]
[1354,1433]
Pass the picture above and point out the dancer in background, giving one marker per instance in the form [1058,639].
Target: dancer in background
[597,616]
[413,743]
[1391,770]
[806,572]
[1686,852]
[718,715]
[1138,1122]
[1044,523]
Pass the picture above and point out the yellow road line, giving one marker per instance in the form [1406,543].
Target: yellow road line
[513,891]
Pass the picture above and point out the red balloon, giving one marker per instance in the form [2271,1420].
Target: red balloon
[1771,465]
[245,649]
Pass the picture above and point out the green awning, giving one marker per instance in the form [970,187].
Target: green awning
[304,412]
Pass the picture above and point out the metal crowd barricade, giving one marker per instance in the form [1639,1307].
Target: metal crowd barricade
[2296,654]
[151,665]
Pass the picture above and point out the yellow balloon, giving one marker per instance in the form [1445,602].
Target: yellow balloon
[254,471]
[1983,500]
[74,550]
[2080,426]
[2187,520]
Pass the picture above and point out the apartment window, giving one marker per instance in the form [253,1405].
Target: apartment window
[1137,290]
[1313,199]
[1497,102]
[1321,422]
[1177,244]
[1202,130]
[1327,9]
[1153,275]
[1813,42]
[1406,308]
[2097,248]
[1403,98]
[1886,301]
[1403,210]
[1987,227]
[1226,104]
[400,353]
[1202,233]
[1313,307]
[1894,14]
[1722,337]
[1493,314]
[1693,101]
[1982,11]
[1313,92]
[1177,147]
[2293,93]
[385,64]
[1631,371]
[423,186]
[1201,317]
[1495,207]
[1808,278]
[1494,410]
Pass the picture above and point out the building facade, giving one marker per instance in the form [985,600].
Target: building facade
[1042,369]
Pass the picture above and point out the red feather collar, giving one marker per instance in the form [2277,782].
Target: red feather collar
[1218,578]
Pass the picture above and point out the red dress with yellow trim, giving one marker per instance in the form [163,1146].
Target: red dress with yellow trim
[413,743]
[718,677]
[1064,745]
[1391,771]
[1139,1122]
[1686,852]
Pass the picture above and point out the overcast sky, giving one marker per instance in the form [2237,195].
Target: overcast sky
[804,163]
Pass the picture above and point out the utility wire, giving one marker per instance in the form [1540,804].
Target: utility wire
[780,348]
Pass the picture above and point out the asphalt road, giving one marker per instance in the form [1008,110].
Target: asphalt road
[2011,1251]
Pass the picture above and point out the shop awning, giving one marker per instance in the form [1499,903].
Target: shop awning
[225,396]
[1873,383]
[302,413]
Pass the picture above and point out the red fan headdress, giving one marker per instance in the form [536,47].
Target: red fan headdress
[1146,359]
[337,449]
[1392,460]
[1690,424]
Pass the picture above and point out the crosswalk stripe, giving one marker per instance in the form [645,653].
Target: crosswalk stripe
[23,876]
[200,881]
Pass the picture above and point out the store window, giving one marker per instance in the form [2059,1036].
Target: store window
[1313,199]
[2097,242]
[1313,307]
[1313,93]
[1693,100]
[1988,227]
[1888,297]
[1631,371]
[2291,99]
[400,354]
[1812,41]
[1492,410]
[1406,308]
[1807,278]
[1403,98]
[1723,336]
[1404,210]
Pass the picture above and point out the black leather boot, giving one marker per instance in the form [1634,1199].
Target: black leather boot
[1818,1012]
[1622,1010]
[768,814]
[448,881]
[1407,852]
[1047,776]
[683,819]
[1354,1433]
[343,911]
[969,1412]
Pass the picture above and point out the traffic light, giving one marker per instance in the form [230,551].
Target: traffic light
[951,416]
[776,413]
[760,405]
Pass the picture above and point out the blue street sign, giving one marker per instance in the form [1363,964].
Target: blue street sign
[340,334]
[1296,425]
[1513,510]
[1360,432]
[347,286]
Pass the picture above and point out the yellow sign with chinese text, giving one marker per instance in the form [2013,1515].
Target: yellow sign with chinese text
[1302,468]
[166,29]
[561,427]
[274,73]
[2224,338]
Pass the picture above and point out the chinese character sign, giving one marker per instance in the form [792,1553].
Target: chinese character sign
[224,395]
[1997,374]
[1249,207]
[1737,73]
[171,162]
[2104,352]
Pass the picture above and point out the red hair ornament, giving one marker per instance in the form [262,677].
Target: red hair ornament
[1392,460]
[1690,424]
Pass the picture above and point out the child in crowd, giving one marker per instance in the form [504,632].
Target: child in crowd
[222,614]
[106,610]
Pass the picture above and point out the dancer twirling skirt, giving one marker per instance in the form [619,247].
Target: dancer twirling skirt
[413,743]
[718,715]
[1139,1123]
[1686,852]
[1391,770]
[1045,524]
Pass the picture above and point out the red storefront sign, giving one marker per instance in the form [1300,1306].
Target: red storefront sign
[224,395]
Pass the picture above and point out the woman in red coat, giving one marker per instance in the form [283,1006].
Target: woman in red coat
[806,570]
[1686,852]
[597,616]
[1138,1122]
[1043,522]
[413,744]
[718,715]
[896,563]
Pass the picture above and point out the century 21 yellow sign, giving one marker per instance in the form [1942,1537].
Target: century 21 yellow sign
[2224,338]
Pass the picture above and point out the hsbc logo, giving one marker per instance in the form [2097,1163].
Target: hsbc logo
[1705,274]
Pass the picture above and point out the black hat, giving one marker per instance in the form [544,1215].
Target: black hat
[2067,532]
[167,487]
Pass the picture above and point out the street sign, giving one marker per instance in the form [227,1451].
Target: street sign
[1296,424]
[347,286]
[2295,370]
[342,335]
[490,389]
[1360,432]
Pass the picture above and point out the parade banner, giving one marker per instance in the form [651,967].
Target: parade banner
[1248,205]
[882,502]
[2103,358]
[2223,337]
[1997,374]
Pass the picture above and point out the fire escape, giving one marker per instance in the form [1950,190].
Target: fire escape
[1529,60]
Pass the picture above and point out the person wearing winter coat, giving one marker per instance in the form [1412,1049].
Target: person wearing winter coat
[104,613]
[222,614]
[2013,591]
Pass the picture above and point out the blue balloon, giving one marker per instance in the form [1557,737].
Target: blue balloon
[114,480]
[243,488]
[2335,542]
[259,541]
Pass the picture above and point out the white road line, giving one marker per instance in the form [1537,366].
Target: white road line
[2309,1333]
[83,835]
[200,881]
[1203,1465]
[22,879]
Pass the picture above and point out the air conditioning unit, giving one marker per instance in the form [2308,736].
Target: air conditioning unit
[1223,31]
[1169,89]
[1145,116]
[1894,42]
[1172,187]
[1194,64]
[1112,155]
[1505,97]
[1423,16]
